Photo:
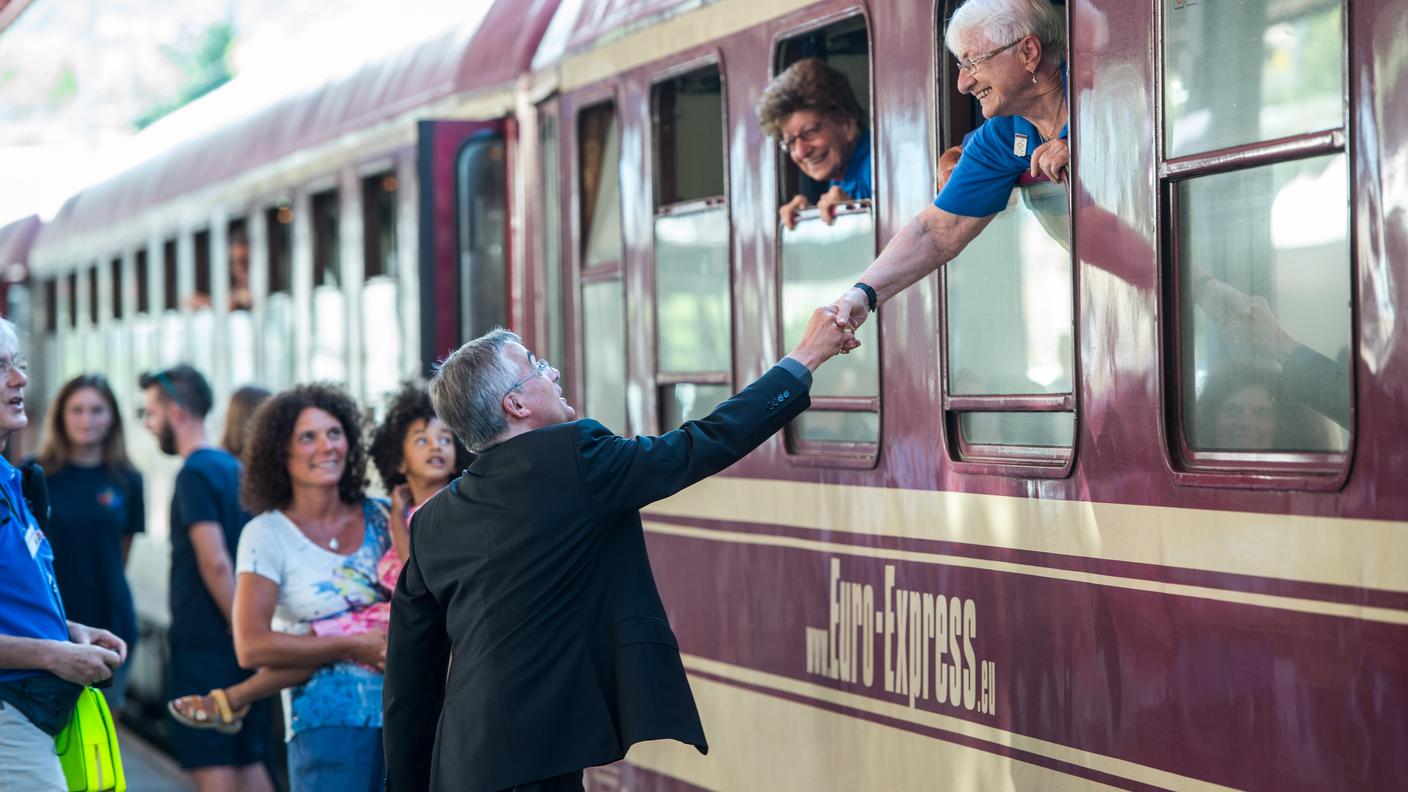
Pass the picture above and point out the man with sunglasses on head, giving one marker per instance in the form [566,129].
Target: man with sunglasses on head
[814,115]
[206,520]
[45,660]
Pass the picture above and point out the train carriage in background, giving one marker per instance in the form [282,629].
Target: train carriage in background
[1012,545]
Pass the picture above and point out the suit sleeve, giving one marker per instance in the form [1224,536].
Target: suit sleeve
[625,475]
[413,690]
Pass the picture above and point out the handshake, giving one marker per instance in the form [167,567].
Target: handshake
[829,333]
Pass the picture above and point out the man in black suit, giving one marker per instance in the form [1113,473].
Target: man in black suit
[530,569]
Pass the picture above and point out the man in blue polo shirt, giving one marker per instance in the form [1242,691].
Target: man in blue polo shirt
[45,659]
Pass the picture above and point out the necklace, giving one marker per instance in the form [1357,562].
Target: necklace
[1057,130]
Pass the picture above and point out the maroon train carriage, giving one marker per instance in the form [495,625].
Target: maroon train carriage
[1060,523]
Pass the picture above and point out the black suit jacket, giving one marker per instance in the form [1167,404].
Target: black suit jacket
[531,570]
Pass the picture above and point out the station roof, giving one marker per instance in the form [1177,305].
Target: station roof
[490,52]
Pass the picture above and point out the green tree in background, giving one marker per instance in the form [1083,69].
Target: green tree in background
[204,70]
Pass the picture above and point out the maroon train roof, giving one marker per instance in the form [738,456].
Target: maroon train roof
[599,20]
[15,240]
[459,61]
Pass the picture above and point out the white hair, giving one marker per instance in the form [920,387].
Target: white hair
[9,336]
[468,388]
[1002,21]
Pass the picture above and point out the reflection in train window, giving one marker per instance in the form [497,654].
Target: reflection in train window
[381,347]
[1265,313]
[481,179]
[599,159]
[818,263]
[693,318]
[1288,58]
[329,323]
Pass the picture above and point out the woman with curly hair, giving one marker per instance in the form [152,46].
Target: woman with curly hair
[307,601]
[416,456]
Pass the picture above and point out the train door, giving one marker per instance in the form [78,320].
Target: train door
[464,228]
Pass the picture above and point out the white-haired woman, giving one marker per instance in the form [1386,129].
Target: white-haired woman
[1011,58]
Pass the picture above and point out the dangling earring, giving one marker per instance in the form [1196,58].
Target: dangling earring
[1033,78]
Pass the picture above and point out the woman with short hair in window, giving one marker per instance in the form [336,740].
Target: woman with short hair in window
[1011,58]
[812,111]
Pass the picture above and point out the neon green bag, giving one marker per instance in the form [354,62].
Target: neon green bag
[87,747]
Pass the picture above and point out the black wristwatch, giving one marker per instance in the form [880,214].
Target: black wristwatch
[870,296]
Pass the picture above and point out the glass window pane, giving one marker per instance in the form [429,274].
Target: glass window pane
[1010,319]
[483,219]
[604,351]
[1287,60]
[379,195]
[329,334]
[689,129]
[819,262]
[241,325]
[836,426]
[278,341]
[327,243]
[689,402]
[381,338]
[1054,429]
[1264,262]
[601,185]
[692,291]
[551,211]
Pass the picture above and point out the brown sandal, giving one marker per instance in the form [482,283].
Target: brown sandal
[211,711]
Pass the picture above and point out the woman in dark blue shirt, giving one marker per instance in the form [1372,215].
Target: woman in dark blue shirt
[96,506]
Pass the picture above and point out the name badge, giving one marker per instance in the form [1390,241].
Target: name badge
[33,538]
[1019,145]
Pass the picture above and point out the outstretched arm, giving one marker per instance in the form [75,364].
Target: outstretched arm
[929,241]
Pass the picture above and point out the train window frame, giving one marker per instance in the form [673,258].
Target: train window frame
[956,116]
[666,382]
[799,451]
[602,272]
[1315,471]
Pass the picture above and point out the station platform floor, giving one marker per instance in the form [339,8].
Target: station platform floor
[148,769]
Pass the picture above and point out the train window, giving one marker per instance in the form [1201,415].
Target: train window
[144,298]
[72,288]
[329,310]
[51,306]
[201,297]
[1266,315]
[381,350]
[550,210]
[240,301]
[1288,58]
[277,326]
[599,159]
[845,48]
[819,262]
[115,267]
[604,351]
[1255,202]
[693,317]
[94,296]
[818,259]
[379,193]
[170,296]
[1009,315]
[483,222]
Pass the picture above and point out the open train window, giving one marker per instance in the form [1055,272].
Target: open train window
[819,260]
[1008,365]
[1255,200]
[201,298]
[603,318]
[693,305]
[51,306]
[71,289]
[94,296]
[239,299]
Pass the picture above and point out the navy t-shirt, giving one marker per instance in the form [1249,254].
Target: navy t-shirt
[91,511]
[207,490]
